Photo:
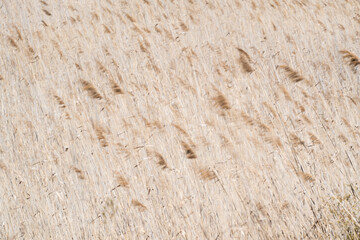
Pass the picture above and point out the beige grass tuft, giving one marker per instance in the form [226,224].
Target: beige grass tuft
[190,154]
[47,12]
[244,61]
[305,176]
[79,173]
[221,101]
[207,174]
[100,133]
[141,207]
[121,181]
[293,75]
[161,161]
[60,101]
[116,88]
[351,59]
[13,43]
[90,88]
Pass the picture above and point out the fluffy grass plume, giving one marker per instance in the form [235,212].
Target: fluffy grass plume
[221,101]
[293,75]
[207,174]
[351,59]
[90,88]
[189,152]
[244,61]
[141,207]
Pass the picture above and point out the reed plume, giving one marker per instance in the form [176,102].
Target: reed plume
[245,61]
[139,205]
[222,102]
[101,136]
[351,59]
[207,174]
[293,75]
[90,88]
[190,154]
[47,12]
[161,161]
[60,101]
[115,87]
[13,43]
[121,181]
[79,173]
[305,176]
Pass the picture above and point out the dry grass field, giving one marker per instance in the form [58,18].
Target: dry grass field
[190,119]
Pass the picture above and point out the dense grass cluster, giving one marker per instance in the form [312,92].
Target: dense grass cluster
[154,119]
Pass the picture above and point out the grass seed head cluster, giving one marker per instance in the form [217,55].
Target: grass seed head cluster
[155,119]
